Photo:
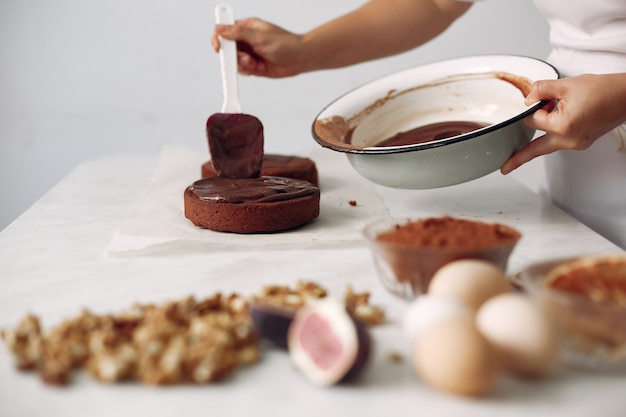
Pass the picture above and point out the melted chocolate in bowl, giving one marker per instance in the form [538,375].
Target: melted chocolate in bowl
[431,133]
[337,131]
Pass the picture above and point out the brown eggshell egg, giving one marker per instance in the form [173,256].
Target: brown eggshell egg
[470,281]
[454,357]
[522,334]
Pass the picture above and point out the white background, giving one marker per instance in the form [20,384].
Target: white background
[80,79]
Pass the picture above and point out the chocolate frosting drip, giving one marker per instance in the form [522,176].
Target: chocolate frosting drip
[251,190]
[236,144]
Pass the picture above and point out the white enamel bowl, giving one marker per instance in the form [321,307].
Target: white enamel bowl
[487,89]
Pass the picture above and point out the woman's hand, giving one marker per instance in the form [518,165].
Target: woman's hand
[580,110]
[263,48]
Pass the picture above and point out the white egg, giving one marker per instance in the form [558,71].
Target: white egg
[522,334]
[470,281]
[427,310]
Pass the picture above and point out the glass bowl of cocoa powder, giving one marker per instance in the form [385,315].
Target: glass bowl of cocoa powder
[408,252]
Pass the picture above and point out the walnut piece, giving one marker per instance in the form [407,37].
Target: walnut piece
[358,304]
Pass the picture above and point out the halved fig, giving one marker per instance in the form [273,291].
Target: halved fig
[272,322]
[327,344]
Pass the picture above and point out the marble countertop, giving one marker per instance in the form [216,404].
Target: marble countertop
[54,262]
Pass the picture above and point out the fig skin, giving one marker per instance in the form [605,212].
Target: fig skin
[272,323]
[335,325]
[363,351]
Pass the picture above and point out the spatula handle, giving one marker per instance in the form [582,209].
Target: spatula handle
[225,15]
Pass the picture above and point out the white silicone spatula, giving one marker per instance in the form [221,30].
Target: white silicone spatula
[235,139]
[225,15]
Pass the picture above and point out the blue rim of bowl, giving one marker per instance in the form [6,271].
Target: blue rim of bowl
[373,150]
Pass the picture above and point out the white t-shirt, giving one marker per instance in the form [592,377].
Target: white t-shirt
[589,37]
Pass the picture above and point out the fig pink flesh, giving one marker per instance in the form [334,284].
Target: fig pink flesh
[324,351]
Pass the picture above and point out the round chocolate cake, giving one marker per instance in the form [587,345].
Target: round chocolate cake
[251,205]
[278,166]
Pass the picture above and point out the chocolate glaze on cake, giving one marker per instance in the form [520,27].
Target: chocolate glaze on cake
[251,205]
[277,166]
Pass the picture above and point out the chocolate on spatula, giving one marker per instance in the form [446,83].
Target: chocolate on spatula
[236,144]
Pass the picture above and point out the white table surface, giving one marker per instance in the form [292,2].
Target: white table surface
[53,262]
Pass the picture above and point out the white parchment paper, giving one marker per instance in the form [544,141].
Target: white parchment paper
[158,224]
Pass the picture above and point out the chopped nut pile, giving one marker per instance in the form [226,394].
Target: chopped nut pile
[183,341]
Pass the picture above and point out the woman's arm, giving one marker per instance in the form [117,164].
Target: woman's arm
[377,29]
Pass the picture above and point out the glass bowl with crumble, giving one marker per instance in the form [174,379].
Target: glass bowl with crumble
[586,299]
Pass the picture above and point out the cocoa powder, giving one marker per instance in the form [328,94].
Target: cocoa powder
[449,232]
